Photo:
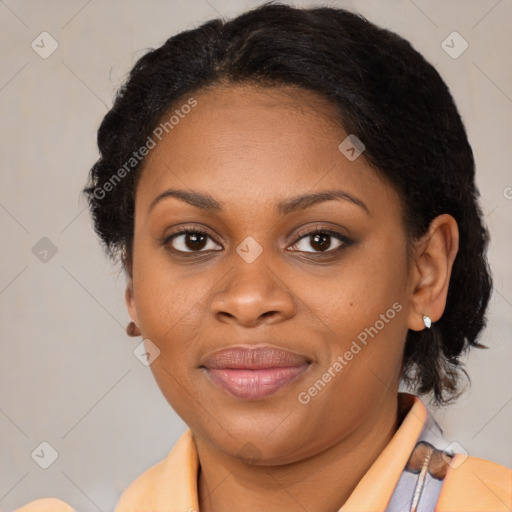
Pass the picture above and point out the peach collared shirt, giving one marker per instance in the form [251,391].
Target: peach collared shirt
[471,484]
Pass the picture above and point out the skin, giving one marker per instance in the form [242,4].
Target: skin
[250,149]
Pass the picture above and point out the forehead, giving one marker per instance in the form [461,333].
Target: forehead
[239,117]
[247,143]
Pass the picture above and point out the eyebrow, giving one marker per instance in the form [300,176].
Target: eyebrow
[207,203]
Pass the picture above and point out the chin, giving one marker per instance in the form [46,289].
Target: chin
[257,442]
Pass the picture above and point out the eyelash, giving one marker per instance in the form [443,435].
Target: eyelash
[302,234]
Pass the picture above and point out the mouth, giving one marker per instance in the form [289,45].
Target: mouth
[253,373]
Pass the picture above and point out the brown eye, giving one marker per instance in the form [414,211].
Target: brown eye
[190,241]
[321,241]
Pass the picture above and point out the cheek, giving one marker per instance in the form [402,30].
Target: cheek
[364,286]
[168,311]
[165,300]
[169,317]
[364,309]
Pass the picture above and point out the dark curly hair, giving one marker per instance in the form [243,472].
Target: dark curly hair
[385,93]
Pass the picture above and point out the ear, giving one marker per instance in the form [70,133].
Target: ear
[129,297]
[432,265]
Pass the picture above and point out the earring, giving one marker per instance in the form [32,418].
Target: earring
[133,330]
[427,321]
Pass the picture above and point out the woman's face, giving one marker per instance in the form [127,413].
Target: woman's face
[325,281]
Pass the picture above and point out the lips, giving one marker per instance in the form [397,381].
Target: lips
[253,373]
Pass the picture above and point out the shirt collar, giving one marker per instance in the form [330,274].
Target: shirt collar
[172,484]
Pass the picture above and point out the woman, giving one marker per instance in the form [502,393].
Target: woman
[292,197]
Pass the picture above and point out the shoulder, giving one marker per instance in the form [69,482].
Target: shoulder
[46,505]
[171,481]
[475,485]
[140,493]
[142,489]
[145,491]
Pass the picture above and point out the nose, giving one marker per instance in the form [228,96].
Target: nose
[254,294]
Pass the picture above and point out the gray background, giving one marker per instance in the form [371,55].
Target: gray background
[68,375]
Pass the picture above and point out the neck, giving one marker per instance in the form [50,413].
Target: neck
[322,482]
